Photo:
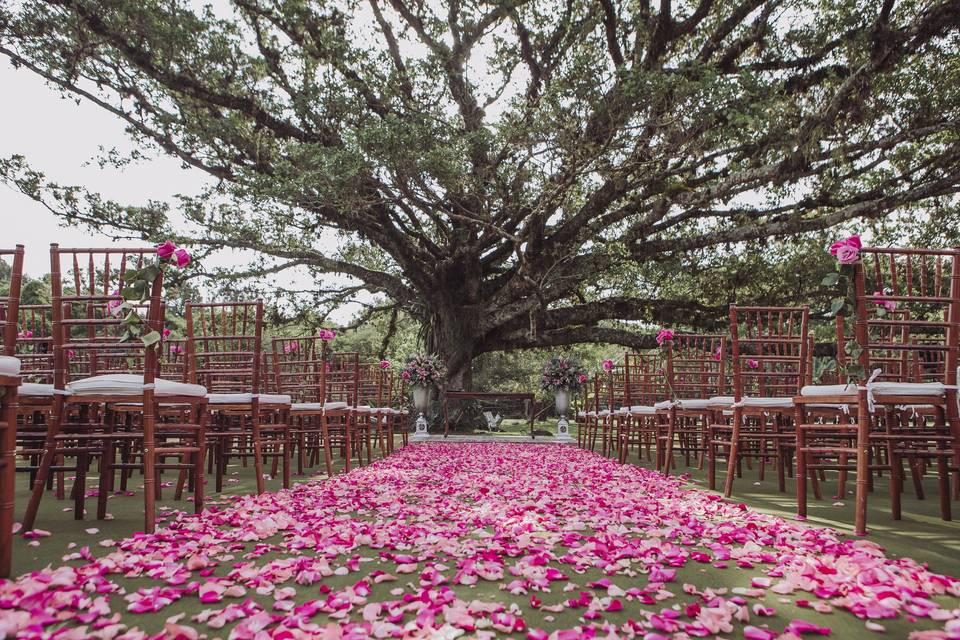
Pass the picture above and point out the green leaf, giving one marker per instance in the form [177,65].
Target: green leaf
[132,318]
[151,338]
[831,279]
[836,305]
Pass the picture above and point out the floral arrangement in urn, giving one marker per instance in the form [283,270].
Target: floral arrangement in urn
[562,373]
[423,371]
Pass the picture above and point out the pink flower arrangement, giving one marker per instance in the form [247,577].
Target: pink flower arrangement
[384,364]
[607,365]
[663,335]
[752,364]
[562,373]
[327,334]
[582,378]
[878,299]
[847,251]
[293,347]
[405,375]
[25,334]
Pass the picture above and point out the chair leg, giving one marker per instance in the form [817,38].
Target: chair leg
[149,467]
[46,461]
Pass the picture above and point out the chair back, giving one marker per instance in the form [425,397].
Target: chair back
[35,343]
[696,365]
[87,328]
[299,367]
[11,279]
[173,360]
[645,379]
[342,378]
[916,338]
[224,346]
[769,350]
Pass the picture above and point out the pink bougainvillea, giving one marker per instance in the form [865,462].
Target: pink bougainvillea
[395,550]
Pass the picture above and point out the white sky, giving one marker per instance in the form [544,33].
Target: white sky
[61,138]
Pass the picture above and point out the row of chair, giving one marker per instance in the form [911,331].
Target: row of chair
[886,405]
[78,397]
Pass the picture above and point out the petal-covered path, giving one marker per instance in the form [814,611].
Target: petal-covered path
[477,540]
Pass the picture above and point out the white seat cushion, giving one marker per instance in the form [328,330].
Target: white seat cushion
[131,384]
[230,398]
[908,389]
[642,410]
[666,404]
[768,403]
[274,398]
[307,406]
[604,413]
[693,403]
[720,401]
[390,411]
[582,414]
[363,408]
[9,366]
[35,389]
[829,390]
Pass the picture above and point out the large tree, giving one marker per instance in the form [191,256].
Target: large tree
[497,166]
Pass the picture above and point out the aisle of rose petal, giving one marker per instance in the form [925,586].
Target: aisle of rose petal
[442,540]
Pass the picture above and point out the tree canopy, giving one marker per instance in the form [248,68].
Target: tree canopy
[516,173]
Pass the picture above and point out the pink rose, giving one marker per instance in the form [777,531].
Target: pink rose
[405,375]
[752,364]
[183,257]
[878,299]
[384,364]
[582,378]
[165,250]
[327,334]
[608,365]
[71,354]
[717,354]
[113,306]
[663,335]
[166,332]
[847,250]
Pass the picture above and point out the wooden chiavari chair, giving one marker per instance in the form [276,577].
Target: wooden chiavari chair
[340,396]
[696,375]
[115,378]
[769,351]
[590,416]
[9,383]
[906,402]
[300,369]
[644,387]
[225,354]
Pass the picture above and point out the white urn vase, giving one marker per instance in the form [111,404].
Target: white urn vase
[421,402]
[562,400]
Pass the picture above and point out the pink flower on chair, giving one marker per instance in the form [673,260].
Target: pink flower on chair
[327,334]
[752,364]
[165,250]
[405,375]
[384,364]
[293,347]
[175,348]
[608,365]
[663,335]
[25,334]
[182,257]
[71,354]
[847,251]
[113,306]
[582,378]
[717,355]
[166,332]
[889,305]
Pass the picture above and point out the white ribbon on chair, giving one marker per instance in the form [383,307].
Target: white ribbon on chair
[871,405]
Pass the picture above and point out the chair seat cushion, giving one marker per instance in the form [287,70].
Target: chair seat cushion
[604,413]
[829,390]
[9,366]
[720,401]
[230,398]
[769,403]
[274,398]
[34,389]
[390,411]
[934,389]
[318,406]
[131,384]
[693,403]
[642,410]
[363,408]
[666,404]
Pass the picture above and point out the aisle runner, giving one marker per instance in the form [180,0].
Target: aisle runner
[442,540]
